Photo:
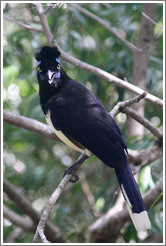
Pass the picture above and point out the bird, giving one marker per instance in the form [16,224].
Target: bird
[80,120]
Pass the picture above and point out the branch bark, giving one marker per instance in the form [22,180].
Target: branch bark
[144,156]
[45,130]
[108,226]
[110,78]
[53,199]
[29,124]
[25,223]
[52,232]
[23,25]
[44,23]
[106,24]
[92,69]
[140,64]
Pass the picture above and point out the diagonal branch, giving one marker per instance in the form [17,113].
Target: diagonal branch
[24,204]
[22,24]
[105,24]
[45,130]
[144,157]
[110,78]
[146,123]
[53,199]
[45,27]
[108,226]
[29,124]
[136,158]
[24,222]
[123,107]
[92,69]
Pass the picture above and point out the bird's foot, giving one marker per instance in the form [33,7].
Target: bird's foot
[71,171]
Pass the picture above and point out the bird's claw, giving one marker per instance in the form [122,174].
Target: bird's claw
[74,177]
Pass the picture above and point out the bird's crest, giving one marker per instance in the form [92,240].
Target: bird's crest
[48,53]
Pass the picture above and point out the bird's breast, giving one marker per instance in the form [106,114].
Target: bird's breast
[69,142]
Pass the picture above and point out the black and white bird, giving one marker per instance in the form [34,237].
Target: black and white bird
[80,120]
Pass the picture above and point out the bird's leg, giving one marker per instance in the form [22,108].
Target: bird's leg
[74,167]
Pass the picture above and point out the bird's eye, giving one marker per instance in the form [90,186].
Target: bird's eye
[58,66]
[39,69]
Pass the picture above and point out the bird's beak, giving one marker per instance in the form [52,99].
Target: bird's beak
[50,76]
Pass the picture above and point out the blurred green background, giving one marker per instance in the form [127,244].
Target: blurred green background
[36,164]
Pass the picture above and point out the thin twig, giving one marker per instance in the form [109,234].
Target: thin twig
[151,20]
[88,194]
[123,107]
[53,232]
[22,24]
[49,6]
[45,27]
[146,123]
[105,24]
[53,199]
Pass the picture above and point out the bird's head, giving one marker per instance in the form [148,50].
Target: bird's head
[49,67]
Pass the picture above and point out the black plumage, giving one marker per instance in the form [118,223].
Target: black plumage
[76,113]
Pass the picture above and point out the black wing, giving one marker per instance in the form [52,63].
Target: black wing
[79,114]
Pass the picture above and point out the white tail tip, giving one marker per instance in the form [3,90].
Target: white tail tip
[141,221]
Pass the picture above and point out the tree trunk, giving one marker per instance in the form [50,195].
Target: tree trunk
[140,63]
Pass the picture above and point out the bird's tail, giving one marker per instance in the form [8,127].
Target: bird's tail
[133,198]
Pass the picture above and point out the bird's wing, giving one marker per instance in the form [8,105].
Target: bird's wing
[92,127]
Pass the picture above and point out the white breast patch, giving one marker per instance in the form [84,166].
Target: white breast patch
[64,138]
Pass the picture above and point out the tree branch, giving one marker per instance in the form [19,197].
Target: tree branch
[108,226]
[105,24]
[25,223]
[150,19]
[45,27]
[29,124]
[45,131]
[88,194]
[53,199]
[144,156]
[140,65]
[110,78]
[92,69]
[22,24]
[16,234]
[146,123]
[123,107]
[52,232]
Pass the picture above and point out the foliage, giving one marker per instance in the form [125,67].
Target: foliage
[36,164]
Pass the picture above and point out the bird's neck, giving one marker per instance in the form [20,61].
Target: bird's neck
[46,92]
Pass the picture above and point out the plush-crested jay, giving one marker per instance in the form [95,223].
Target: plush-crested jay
[80,120]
